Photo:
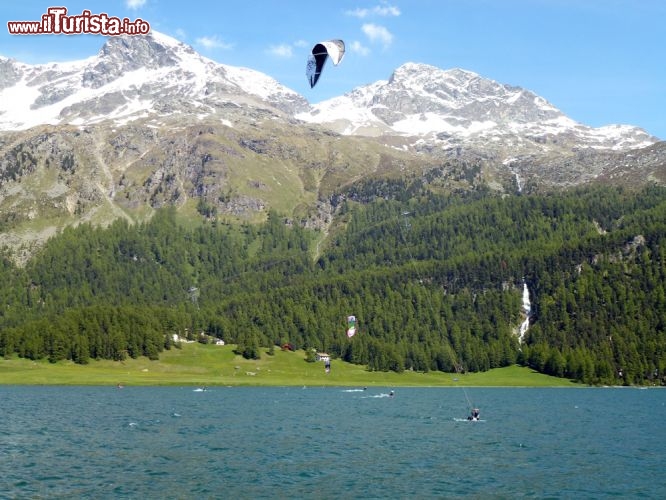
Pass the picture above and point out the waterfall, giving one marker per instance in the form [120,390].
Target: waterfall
[519,182]
[527,309]
[508,163]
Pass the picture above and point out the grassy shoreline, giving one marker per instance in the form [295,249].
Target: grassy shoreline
[209,365]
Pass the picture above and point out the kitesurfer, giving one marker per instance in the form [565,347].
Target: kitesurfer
[474,415]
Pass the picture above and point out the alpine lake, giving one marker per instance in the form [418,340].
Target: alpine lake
[330,442]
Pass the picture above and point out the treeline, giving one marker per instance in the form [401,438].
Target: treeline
[434,280]
[98,332]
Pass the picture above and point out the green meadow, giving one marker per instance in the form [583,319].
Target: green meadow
[209,365]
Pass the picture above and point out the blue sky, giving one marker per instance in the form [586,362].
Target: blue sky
[599,61]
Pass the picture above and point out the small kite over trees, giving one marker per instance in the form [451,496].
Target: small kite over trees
[351,326]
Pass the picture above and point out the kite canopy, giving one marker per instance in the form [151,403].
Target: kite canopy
[335,49]
[351,326]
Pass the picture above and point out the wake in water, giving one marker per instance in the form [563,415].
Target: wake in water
[382,395]
[354,390]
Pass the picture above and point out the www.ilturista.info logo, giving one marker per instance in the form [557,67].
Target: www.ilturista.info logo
[57,22]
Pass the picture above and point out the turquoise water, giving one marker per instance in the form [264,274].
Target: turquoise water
[147,442]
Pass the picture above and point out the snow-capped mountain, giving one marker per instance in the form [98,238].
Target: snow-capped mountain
[158,77]
[149,122]
[455,107]
[130,78]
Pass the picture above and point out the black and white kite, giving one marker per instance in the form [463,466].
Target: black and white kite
[334,49]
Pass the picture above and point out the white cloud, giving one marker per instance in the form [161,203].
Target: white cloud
[377,33]
[213,42]
[135,4]
[383,10]
[301,43]
[180,34]
[358,48]
[282,50]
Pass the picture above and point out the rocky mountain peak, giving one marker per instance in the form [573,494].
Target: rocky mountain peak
[139,51]
[467,93]
[123,54]
[454,108]
[418,74]
[135,77]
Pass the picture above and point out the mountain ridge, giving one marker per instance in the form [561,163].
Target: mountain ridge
[134,71]
[454,106]
[130,78]
[149,122]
